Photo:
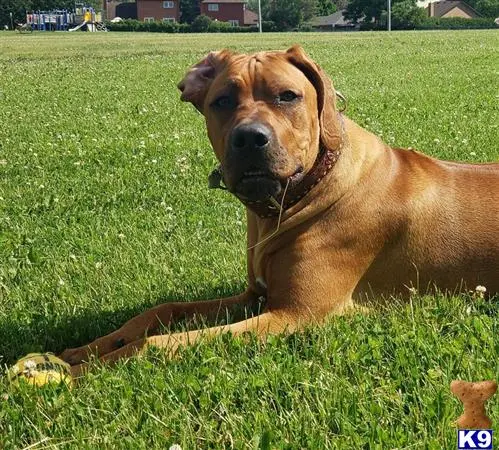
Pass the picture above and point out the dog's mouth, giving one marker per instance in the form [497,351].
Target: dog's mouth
[259,184]
[256,175]
[252,176]
[256,185]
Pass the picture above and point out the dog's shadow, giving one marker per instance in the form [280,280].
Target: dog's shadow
[54,333]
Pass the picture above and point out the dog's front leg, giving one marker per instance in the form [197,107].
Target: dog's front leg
[268,322]
[150,321]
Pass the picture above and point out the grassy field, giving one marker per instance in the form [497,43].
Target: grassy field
[104,212]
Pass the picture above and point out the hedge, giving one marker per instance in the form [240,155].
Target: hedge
[456,23]
[212,26]
[437,23]
[175,27]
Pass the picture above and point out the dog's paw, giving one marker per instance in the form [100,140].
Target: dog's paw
[77,355]
[96,349]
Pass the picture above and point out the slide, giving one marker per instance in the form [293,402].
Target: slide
[79,26]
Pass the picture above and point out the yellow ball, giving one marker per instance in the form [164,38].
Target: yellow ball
[39,369]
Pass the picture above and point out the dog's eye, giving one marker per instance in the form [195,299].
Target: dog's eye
[223,102]
[287,96]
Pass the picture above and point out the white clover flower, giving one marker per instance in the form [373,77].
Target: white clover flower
[480,291]
[30,364]
[175,447]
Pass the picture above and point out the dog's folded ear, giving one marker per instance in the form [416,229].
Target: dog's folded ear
[198,79]
[330,133]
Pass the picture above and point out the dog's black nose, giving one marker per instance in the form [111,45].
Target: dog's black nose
[251,136]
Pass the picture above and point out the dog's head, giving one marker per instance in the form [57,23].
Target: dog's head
[267,116]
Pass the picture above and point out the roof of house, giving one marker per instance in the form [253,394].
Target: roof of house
[333,19]
[250,17]
[443,7]
[224,1]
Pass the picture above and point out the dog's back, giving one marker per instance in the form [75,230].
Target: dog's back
[448,227]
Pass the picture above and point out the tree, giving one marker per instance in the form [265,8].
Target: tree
[201,24]
[264,4]
[291,13]
[407,15]
[189,10]
[488,8]
[368,10]
[340,4]
[16,7]
[325,7]
[286,14]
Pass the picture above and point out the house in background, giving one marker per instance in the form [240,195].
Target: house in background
[118,8]
[448,9]
[333,22]
[250,18]
[158,10]
[231,11]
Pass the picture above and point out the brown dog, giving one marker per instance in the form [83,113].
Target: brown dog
[334,215]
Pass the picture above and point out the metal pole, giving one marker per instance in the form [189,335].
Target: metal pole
[389,15]
[11,22]
[259,16]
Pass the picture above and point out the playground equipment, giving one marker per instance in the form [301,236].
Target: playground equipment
[82,18]
[59,20]
[86,17]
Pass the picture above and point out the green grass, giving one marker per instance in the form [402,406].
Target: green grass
[104,212]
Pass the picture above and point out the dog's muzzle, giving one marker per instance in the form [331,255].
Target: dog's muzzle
[248,162]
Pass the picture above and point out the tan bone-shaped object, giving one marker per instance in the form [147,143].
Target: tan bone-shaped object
[473,396]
